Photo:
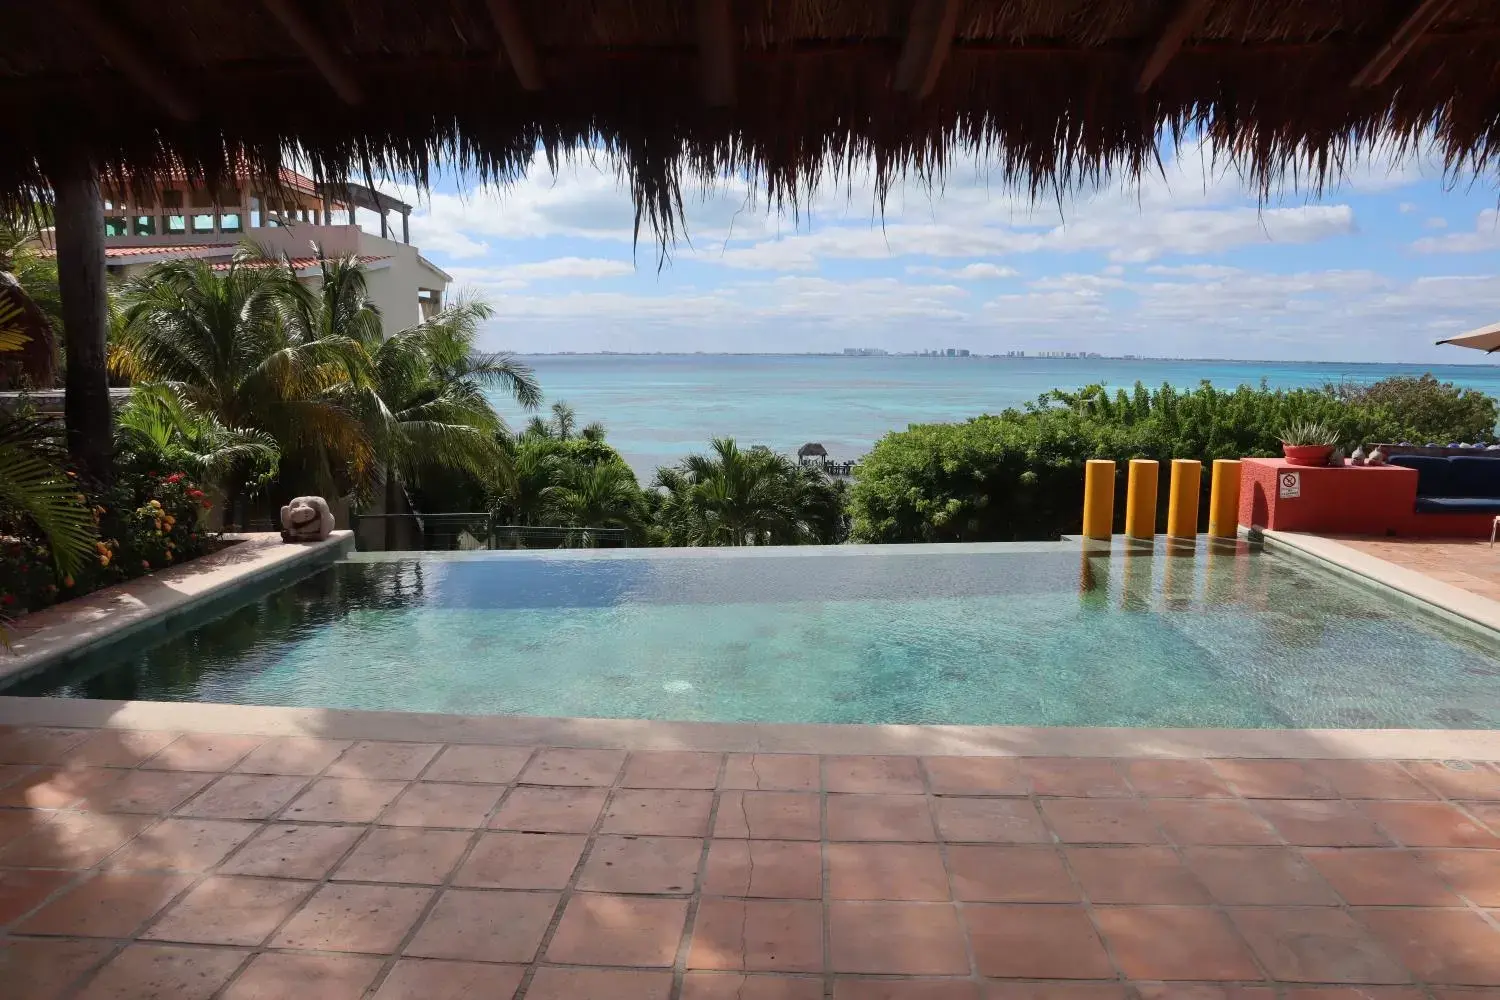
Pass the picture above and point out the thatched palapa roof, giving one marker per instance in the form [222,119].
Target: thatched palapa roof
[1053,91]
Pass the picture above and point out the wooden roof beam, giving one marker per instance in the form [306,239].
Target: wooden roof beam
[514,38]
[333,66]
[716,52]
[929,37]
[1401,40]
[1185,19]
[124,54]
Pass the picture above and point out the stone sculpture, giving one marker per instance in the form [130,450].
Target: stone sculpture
[306,519]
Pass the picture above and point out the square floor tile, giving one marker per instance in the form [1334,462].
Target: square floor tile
[1101,821]
[72,840]
[886,775]
[1082,990]
[672,769]
[1075,777]
[1475,875]
[343,800]
[860,988]
[976,776]
[1176,779]
[18,823]
[39,744]
[495,765]
[1375,877]
[916,939]
[599,929]
[190,845]
[773,772]
[362,918]
[370,759]
[145,792]
[522,861]
[1134,875]
[428,803]
[1261,876]
[230,910]
[118,748]
[404,854]
[155,970]
[281,975]
[1274,779]
[293,755]
[1443,947]
[112,904]
[485,925]
[642,865]
[781,869]
[1002,874]
[1353,993]
[769,815]
[202,752]
[1321,823]
[1369,779]
[1429,824]
[998,821]
[658,812]
[1174,942]
[758,935]
[534,809]
[879,817]
[596,768]
[887,871]
[1188,821]
[42,968]
[554,983]
[1036,942]
[21,889]
[431,979]
[58,787]
[1315,945]
[1217,991]
[244,796]
[1477,780]
[292,850]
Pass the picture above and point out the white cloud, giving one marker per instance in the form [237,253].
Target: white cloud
[1435,222]
[1406,207]
[1486,236]
[969,272]
[520,275]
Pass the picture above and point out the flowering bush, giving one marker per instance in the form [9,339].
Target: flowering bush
[148,520]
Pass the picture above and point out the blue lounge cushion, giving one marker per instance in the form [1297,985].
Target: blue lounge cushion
[1472,477]
[1458,505]
[1432,473]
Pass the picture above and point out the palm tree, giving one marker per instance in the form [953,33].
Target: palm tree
[30,304]
[561,424]
[239,345]
[156,422]
[528,494]
[601,496]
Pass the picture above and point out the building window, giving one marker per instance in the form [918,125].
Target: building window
[229,222]
[176,225]
[203,223]
[114,225]
[145,225]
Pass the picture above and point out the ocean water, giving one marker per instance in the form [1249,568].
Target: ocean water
[1025,634]
[658,408]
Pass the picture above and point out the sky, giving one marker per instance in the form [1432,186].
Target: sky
[1185,263]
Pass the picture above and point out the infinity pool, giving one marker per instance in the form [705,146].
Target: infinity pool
[1003,634]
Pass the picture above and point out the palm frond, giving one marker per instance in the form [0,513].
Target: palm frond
[34,487]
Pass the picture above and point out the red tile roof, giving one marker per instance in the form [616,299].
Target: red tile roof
[298,263]
[182,249]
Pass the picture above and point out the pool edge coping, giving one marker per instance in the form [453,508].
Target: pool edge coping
[70,629]
[809,738]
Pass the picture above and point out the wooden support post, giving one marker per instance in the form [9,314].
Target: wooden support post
[78,215]
[929,38]
[384,228]
[406,228]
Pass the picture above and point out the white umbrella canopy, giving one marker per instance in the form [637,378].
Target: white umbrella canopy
[1486,339]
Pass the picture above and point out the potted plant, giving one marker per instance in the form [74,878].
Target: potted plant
[1308,442]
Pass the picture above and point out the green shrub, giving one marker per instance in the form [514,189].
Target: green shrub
[1019,475]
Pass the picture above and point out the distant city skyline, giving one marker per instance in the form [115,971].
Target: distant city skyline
[1186,264]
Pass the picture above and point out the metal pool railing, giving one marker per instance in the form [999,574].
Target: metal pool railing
[475,530]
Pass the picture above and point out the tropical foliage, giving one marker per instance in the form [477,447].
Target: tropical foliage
[30,307]
[1019,475]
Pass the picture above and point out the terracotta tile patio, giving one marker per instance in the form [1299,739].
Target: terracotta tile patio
[195,866]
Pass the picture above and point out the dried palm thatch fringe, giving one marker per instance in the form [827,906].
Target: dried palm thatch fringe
[1052,91]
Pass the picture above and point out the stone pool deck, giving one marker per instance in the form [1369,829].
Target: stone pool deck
[191,851]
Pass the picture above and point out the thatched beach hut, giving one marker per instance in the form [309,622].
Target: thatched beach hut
[1056,92]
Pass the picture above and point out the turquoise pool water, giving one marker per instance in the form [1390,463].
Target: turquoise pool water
[1006,634]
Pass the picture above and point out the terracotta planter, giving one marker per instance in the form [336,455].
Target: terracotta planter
[1306,454]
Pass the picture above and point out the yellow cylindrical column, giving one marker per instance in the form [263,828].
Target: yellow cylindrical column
[1098,499]
[1140,500]
[1182,503]
[1224,500]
